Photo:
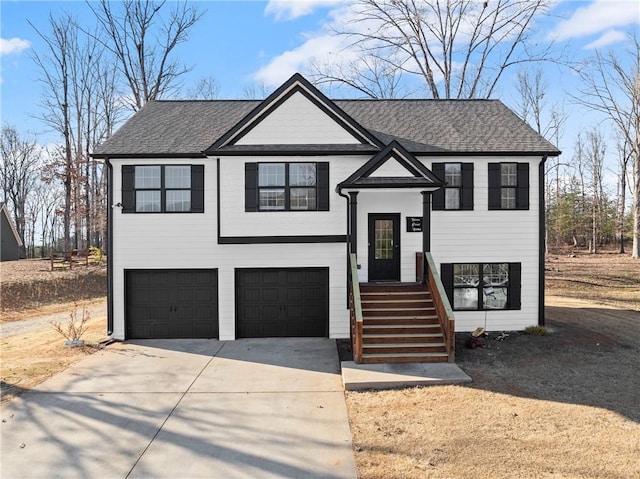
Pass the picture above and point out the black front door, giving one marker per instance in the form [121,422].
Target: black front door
[384,247]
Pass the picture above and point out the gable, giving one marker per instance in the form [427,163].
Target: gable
[391,168]
[9,231]
[296,113]
[297,121]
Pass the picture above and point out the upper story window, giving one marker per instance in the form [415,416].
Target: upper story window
[482,286]
[163,188]
[458,192]
[300,186]
[508,186]
[287,186]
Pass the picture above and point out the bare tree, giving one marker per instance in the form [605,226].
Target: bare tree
[368,75]
[54,67]
[624,154]
[143,43]
[79,103]
[533,109]
[206,88]
[612,86]
[458,48]
[19,167]
[595,152]
[256,91]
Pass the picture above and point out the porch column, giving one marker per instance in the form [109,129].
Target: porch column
[426,221]
[353,227]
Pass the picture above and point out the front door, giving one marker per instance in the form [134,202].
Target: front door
[384,247]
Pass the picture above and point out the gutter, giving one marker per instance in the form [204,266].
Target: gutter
[110,207]
[541,242]
[346,197]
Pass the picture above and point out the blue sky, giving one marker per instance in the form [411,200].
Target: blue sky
[244,43]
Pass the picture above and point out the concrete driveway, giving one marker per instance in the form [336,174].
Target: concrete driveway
[188,409]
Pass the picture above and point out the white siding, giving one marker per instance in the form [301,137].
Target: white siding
[234,221]
[391,168]
[164,241]
[190,240]
[407,203]
[467,236]
[493,236]
[297,121]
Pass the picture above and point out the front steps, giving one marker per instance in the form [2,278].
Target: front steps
[400,325]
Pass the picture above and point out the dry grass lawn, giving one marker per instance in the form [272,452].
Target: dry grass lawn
[30,358]
[460,432]
[566,405]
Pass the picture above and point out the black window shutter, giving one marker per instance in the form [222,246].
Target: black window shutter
[437,197]
[323,186]
[446,276]
[466,201]
[197,188]
[495,194]
[128,191]
[515,286]
[251,187]
[522,194]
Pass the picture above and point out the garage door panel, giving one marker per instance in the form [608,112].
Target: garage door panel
[282,302]
[172,304]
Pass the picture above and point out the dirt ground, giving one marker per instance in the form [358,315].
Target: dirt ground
[565,405]
[606,278]
[32,295]
[28,285]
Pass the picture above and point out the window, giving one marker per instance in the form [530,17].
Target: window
[508,186]
[286,186]
[482,286]
[457,194]
[163,188]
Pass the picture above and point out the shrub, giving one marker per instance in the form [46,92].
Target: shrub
[73,329]
[536,331]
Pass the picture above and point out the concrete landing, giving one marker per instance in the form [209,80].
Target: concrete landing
[390,376]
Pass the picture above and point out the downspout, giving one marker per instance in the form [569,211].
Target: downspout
[541,242]
[346,197]
[110,207]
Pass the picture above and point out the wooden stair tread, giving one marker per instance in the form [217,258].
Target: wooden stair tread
[407,326]
[404,355]
[400,324]
[401,335]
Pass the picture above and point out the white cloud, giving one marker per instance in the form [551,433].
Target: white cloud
[292,9]
[286,64]
[321,47]
[13,45]
[598,16]
[609,38]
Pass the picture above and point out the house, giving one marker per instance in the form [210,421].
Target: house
[239,218]
[11,248]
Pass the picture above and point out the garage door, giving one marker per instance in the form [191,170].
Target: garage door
[175,303]
[282,302]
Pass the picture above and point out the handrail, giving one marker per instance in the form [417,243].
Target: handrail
[355,310]
[443,307]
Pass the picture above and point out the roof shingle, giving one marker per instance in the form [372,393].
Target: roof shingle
[421,126]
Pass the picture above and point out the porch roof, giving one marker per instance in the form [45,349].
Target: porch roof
[421,177]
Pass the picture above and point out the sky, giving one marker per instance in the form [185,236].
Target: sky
[249,43]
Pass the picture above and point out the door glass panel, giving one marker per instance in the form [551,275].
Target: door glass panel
[383,239]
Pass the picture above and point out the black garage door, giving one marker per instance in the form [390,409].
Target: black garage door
[282,302]
[176,303]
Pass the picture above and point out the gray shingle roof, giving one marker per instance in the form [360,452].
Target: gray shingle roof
[421,126]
